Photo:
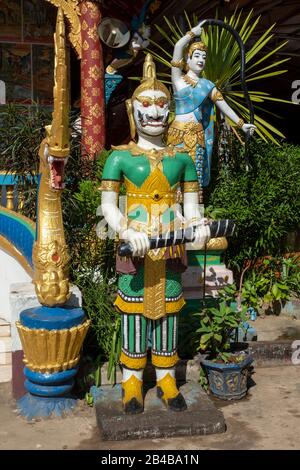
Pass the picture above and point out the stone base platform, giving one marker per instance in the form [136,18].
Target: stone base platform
[201,417]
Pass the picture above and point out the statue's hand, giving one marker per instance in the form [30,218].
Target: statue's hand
[202,236]
[138,240]
[249,129]
[197,30]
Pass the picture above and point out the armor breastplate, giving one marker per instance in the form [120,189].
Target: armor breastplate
[151,207]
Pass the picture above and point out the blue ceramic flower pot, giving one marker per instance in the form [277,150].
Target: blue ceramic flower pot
[228,381]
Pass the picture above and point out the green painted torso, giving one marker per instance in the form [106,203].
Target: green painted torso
[136,168]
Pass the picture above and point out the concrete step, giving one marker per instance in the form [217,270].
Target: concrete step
[5,373]
[4,328]
[5,351]
[5,345]
[5,358]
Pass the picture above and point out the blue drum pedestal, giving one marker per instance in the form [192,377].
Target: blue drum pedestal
[31,406]
[49,393]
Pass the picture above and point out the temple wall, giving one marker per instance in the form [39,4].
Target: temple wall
[10,273]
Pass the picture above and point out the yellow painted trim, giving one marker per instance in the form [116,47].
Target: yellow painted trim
[190,186]
[14,173]
[18,216]
[16,254]
[133,363]
[138,307]
[110,185]
[154,288]
[165,362]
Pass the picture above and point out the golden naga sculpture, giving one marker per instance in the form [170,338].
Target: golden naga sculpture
[71,10]
[50,252]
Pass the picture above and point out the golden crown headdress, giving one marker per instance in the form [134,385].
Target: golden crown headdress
[148,82]
[197,46]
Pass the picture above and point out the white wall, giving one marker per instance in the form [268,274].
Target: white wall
[11,272]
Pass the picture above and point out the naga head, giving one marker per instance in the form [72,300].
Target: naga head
[55,167]
[56,151]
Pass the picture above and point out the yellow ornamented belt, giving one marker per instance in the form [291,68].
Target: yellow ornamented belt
[155,205]
[188,133]
[155,196]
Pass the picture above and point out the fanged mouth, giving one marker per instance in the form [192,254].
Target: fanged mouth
[146,120]
[153,124]
[57,168]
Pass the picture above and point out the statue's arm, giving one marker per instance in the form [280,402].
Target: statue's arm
[224,107]
[192,214]
[177,62]
[111,211]
[192,209]
[110,185]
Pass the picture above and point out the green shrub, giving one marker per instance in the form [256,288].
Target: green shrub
[264,201]
[267,284]
[216,327]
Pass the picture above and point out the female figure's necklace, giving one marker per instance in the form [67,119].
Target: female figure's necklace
[189,80]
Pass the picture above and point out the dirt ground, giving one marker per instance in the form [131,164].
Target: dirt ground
[268,418]
[274,328]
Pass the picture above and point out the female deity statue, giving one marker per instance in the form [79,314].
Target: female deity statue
[195,97]
[149,286]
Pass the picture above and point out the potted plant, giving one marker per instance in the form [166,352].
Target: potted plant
[226,367]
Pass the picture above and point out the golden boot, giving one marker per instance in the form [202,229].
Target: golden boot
[132,382]
[168,392]
[132,395]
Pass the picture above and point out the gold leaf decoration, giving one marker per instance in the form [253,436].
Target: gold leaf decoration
[72,12]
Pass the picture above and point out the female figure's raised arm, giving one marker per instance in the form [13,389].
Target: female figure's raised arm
[177,62]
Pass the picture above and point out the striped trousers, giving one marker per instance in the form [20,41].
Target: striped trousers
[135,340]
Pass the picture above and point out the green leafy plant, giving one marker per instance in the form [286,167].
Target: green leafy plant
[223,63]
[273,281]
[203,379]
[216,327]
[264,202]
[291,273]
[89,375]
[269,283]
[115,351]
[228,293]
[21,132]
